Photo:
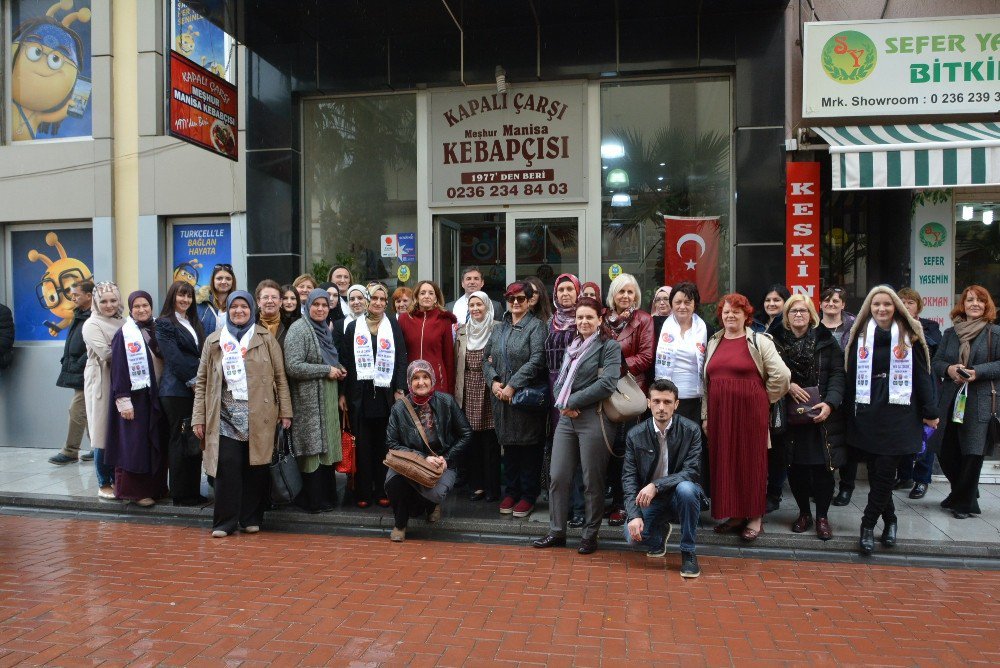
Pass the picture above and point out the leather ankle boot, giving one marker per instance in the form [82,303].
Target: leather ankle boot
[889,534]
[867,543]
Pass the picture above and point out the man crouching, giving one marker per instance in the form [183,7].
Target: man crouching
[660,478]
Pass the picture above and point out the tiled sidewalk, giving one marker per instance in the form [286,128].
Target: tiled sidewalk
[83,593]
[26,478]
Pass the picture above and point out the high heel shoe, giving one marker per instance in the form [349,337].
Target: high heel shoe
[867,543]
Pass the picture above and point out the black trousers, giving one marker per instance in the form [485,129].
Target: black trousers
[777,469]
[483,463]
[522,471]
[881,481]
[370,452]
[849,472]
[319,490]
[815,481]
[184,472]
[240,489]
[405,500]
[961,470]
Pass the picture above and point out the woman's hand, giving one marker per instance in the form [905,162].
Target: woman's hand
[286,423]
[199,431]
[704,426]
[824,412]
[972,374]
[439,462]
[507,393]
[128,414]
[932,423]
[953,374]
[570,412]
[399,394]
[334,373]
[797,393]
[497,389]
[342,402]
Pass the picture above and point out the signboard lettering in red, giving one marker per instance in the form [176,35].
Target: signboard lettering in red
[203,107]
[802,228]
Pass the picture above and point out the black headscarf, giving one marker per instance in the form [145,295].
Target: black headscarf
[322,331]
[336,312]
[146,328]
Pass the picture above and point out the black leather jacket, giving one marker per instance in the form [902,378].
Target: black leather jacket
[452,428]
[642,457]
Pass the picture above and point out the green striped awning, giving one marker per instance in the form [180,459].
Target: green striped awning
[866,157]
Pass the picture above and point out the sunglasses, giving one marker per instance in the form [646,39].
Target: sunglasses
[227,267]
[517,299]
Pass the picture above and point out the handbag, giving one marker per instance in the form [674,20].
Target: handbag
[191,445]
[531,399]
[993,425]
[627,402]
[803,412]
[413,465]
[286,479]
[348,457]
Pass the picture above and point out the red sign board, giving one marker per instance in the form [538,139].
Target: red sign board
[203,107]
[802,228]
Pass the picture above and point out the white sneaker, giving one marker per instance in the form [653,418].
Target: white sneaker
[219,533]
[106,492]
[253,528]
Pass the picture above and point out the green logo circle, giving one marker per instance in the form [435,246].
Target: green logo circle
[849,57]
[933,235]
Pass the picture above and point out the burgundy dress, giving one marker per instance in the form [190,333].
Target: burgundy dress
[738,412]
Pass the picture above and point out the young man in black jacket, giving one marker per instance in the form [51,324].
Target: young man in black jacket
[660,478]
[73,361]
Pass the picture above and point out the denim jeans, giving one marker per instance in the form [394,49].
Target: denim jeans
[919,469]
[684,503]
[105,473]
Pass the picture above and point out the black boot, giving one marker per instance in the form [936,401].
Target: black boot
[867,543]
[889,533]
[843,498]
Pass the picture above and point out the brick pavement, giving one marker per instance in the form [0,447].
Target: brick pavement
[85,593]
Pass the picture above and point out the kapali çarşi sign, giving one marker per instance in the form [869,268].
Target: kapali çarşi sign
[894,68]
[525,145]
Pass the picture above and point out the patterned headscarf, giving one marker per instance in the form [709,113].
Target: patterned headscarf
[103,288]
[415,366]
[564,317]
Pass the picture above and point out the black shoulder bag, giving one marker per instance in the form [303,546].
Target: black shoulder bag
[993,426]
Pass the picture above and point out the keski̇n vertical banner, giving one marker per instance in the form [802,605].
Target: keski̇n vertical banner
[802,228]
[197,249]
[50,80]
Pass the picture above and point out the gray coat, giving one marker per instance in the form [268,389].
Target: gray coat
[524,366]
[589,387]
[972,431]
[306,374]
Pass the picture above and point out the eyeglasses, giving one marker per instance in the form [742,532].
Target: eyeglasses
[798,311]
[268,298]
[517,299]
[661,299]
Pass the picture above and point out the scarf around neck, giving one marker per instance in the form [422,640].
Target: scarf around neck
[900,366]
[322,331]
[571,364]
[617,322]
[967,331]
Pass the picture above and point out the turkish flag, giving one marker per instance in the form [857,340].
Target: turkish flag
[691,254]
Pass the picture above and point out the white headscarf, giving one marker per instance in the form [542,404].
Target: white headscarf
[479,332]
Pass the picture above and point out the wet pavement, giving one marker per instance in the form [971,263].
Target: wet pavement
[87,593]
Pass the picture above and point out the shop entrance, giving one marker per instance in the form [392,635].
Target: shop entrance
[543,244]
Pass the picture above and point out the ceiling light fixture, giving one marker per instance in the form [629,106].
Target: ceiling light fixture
[967,212]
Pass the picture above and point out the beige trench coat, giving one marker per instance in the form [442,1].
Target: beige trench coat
[97,380]
[269,397]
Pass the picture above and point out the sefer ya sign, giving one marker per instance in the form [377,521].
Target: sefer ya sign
[525,145]
[894,68]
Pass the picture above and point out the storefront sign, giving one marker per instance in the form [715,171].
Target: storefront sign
[407,246]
[390,247]
[45,263]
[802,227]
[197,249]
[692,254]
[50,72]
[202,107]
[934,259]
[893,68]
[525,145]
[202,42]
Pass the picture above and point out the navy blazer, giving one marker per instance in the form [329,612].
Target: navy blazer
[181,355]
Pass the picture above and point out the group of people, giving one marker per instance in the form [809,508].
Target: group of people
[470,385]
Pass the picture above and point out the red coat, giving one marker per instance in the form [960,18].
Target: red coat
[429,336]
[638,346]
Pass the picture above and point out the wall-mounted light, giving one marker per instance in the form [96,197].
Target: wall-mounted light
[621,199]
[967,212]
[988,217]
[617,178]
[501,75]
[612,151]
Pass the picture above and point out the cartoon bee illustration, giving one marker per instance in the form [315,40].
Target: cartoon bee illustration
[188,272]
[45,71]
[186,41]
[53,290]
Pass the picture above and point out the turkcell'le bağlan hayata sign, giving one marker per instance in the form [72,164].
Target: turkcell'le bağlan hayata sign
[896,68]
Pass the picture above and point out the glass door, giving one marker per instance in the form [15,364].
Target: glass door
[546,244]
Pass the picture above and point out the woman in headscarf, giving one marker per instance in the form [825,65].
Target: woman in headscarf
[483,459]
[429,332]
[434,416]
[889,382]
[374,354]
[134,445]
[591,289]
[98,332]
[240,396]
[212,298]
[312,364]
[968,358]
[180,337]
[660,304]
[357,304]
[633,329]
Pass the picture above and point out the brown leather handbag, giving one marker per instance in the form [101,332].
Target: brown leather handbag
[413,465]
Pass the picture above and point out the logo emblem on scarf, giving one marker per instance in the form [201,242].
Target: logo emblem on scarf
[701,348]
[667,338]
[361,340]
[383,344]
[229,347]
[863,353]
[133,347]
[901,352]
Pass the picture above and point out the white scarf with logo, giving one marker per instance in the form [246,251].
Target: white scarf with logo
[377,366]
[671,337]
[135,355]
[900,367]
[234,366]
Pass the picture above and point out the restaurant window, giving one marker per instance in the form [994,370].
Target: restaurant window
[665,196]
[360,187]
[977,246]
